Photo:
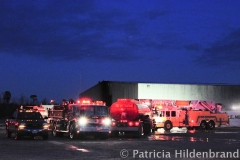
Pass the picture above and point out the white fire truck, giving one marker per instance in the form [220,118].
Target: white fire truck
[43,109]
[190,114]
[80,119]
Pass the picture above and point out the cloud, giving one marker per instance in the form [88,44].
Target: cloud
[223,52]
[193,47]
[76,30]
[154,14]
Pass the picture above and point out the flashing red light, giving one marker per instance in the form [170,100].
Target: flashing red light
[130,124]
[86,102]
[136,123]
[113,123]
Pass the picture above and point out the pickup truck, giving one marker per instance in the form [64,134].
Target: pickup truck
[24,123]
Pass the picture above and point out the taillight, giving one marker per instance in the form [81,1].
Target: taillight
[136,123]
[130,124]
[133,124]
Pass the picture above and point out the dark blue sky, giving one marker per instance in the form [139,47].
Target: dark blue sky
[57,49]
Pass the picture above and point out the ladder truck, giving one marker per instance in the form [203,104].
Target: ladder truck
[199,114]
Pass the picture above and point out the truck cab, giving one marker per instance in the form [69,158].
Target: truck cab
[170,117]
[82,119]
[26,123]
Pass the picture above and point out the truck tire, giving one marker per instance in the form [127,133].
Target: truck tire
[168,125]
[72,132]
[211,124]
[203,125]
[8,134]
[17,136]
[54,131]
[147,129]
[140,131]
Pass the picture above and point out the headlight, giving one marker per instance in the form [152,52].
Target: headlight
[107,121]
[22,125]
[45,126]
[82,121]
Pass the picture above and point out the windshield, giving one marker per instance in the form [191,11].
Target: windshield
[29,115]
[93,110]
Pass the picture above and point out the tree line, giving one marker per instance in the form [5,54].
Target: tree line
[8,104]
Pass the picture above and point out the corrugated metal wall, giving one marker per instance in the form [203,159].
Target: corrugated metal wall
[227,95]
[124,90]
[110,91]
[95,92]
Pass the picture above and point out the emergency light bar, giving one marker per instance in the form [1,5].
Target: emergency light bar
[89,102]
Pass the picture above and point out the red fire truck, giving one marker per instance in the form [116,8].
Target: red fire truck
[80,119]
[201,115]
[131,116]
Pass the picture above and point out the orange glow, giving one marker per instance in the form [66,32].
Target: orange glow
[192,131]
[159,107]
[89,101]
[99,103]
[85,101]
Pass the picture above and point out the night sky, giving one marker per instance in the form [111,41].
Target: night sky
[58,49]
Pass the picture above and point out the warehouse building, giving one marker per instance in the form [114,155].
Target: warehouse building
[110,91]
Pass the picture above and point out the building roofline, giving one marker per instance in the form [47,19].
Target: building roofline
[192,83]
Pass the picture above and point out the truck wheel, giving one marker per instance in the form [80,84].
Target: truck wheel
[72,132]
[168,126]
[8,133]
[147,129]
[211,124]
[17,136]
[54,131]
[140,131]
[203,125]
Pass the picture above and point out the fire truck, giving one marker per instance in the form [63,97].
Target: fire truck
[130,116]
[80,119]
[41,109]
[199,114]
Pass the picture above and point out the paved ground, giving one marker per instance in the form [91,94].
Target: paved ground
[189,145]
